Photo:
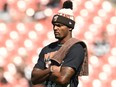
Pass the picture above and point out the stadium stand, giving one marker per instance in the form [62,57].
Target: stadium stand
[25,27]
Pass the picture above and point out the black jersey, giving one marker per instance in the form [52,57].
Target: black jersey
[73,59]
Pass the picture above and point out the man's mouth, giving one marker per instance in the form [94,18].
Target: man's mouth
[56,33]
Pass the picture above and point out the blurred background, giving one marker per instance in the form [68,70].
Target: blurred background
[25,28]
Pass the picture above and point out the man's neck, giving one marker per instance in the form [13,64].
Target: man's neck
[62,41]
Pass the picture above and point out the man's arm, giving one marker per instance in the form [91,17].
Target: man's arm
[38,76]
[61,75]
[57,74]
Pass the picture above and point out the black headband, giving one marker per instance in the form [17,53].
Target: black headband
[63,20]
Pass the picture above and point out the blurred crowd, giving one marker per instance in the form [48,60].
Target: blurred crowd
[98,30]
[18,74]
[28,10]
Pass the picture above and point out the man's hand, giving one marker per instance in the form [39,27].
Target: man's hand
[55,68]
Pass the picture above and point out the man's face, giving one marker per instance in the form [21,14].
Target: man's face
[60,30]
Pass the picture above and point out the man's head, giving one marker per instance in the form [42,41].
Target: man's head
[63,22]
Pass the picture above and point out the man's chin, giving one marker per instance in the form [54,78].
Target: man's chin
[57,37]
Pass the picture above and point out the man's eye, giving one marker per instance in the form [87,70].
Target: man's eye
[59,25]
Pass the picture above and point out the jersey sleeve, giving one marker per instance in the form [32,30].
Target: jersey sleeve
[40,62]
[74,57]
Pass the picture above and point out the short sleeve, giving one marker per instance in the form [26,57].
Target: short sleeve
[40,63]
[74,57]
